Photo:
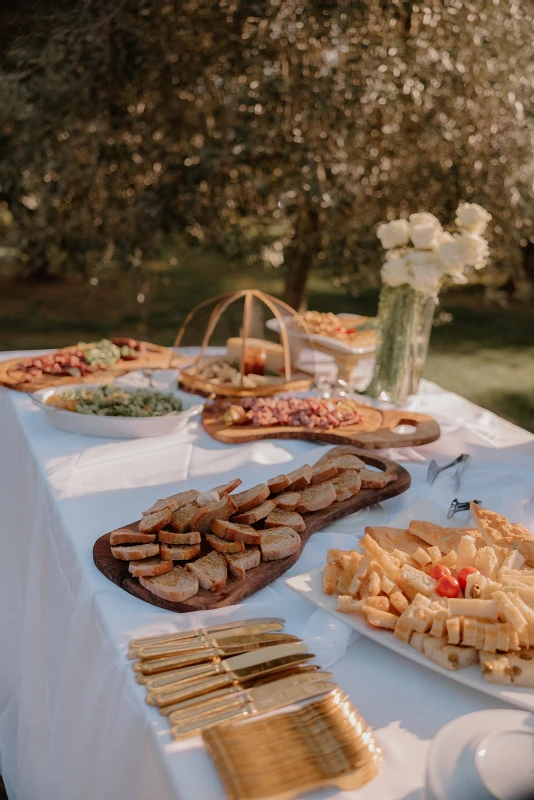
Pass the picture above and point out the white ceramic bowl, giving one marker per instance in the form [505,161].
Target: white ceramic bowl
[115,427]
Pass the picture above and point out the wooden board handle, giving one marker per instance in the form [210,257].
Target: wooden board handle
[425,428]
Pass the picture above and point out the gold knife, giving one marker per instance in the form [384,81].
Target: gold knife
[231,671]
[227,639]
[258,625]
[236,695]
[256,701]
[241,644]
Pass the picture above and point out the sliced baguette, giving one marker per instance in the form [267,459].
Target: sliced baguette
[279,543]
[135,551]
[288,501]
[159,505]
[299,478]
[235,532]
[227,488]
[130,536]
[316,497]
[175,586]
[251,498]
[278,484]
[175,501]
[201,521]
[223,545]
[375,480]
[156,520]
[181,519]
[255,514]
[211,571]
[347,484]
[179,552]
[240,562]
[324,472]
[346,461]
[290,519]
[169,537]
[149,567]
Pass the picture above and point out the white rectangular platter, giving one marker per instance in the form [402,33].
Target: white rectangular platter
[309,586]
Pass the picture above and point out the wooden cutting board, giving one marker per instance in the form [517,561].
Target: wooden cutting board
[267,571]
[154,357]
[377,431]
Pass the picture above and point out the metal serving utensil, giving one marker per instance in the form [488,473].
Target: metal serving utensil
[433,470]
[457,506]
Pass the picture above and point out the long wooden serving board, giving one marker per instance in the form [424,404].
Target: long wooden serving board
[154,357]
[267,571]
[376,431]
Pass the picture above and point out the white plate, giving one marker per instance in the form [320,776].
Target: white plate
[309,586]
[483,756]
[114,427]
[329,341]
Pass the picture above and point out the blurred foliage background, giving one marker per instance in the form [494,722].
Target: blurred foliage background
[260,140]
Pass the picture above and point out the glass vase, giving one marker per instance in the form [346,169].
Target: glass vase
[404,326]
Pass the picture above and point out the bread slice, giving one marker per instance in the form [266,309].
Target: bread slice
[375,480]
[201,521]
[279,518]
[156,520]
[316,497]
[227,488]
[211,571]
[179,552]
[169,537]
[135,551]
[347,461]
[299,478]
[240,562]
[223,545]
[390,539]
[159,505]
[176,586]
[130,536]
[175,501]
[181,519]
[235,531]
[279,543]
[149,567]
[255,514]
[324,472]
[278,484]
[288,501]
[251,497]
[347,484]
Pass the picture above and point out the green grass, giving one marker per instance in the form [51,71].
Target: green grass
[485,354]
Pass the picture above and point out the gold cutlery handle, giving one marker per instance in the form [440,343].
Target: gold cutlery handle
[195,726]
[172,648]
[175,662]
[210,706]
[193,689]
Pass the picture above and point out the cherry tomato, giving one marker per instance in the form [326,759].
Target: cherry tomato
[448,587]
[439,571]
[463,575]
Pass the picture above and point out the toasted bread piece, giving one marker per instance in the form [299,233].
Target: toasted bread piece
[255,514]
[324,472]
[300,478]
[201,521]
[235,531]
[175,501]
[149,567]
[498,532]
[447,655]
[175,586]
[211,571]
[347,484]
[316,497]
[179,552]
[331,575]
[169,537]
[446,539]
[135,551]
[159,505]
[251,498]
[375,480]
[156,520]
[278,484]
[223,545]
[240,562]
[347,461]
[181,519]
[131,536]
[279,543]
[227,488]
[288,501]
[291,519]
[394,538]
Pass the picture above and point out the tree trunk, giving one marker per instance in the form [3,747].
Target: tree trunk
[299,259]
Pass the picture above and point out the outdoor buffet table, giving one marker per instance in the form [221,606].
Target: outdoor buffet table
[73,722]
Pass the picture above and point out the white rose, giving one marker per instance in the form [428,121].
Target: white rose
[472,217]
[417,258]
[393,234]
[426,219]
[395,272]
[425,237]
[426,278]
[473,248]
[451,256]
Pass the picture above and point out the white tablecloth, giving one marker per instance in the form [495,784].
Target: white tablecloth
[73,722]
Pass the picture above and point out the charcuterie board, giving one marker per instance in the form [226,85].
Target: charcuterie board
[377,430]
[268,571]
[153,356]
